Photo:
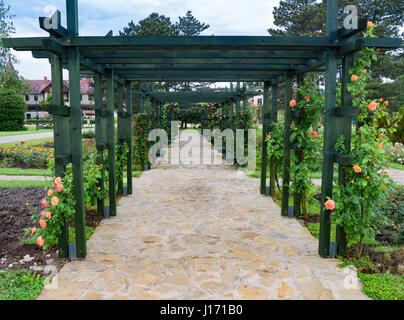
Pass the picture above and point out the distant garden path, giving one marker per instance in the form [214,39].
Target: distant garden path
[200,233]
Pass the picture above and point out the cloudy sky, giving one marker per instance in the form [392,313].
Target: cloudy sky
[97,17]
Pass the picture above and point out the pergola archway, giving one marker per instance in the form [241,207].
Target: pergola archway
[121,60]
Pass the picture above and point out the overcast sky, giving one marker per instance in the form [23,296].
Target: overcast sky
[97,17]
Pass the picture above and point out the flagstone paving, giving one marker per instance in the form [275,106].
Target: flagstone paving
[200,232]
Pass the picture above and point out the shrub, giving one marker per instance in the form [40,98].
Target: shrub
[12,109]
[89,134]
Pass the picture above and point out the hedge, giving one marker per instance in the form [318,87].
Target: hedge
[12,110]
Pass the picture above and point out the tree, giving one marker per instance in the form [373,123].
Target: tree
[44,104]
[6,28]
[308,18]
[160,25]
[12,103]
[190,26]
[153,25]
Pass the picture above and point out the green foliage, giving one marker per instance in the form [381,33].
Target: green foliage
[306,140]
[22,184]
[20,285]
[59,201]
[89,134]
[141,128]
[275,147]
[367,185]
[44,104]
[383,286]
[24,154]
[393,210]
[153,25]
[6,29]
[190,26]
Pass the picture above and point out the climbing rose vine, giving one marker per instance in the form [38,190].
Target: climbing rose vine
[367,183]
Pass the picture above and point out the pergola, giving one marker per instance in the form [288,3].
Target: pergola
[121,60]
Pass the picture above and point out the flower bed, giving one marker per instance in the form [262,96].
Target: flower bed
[25,155]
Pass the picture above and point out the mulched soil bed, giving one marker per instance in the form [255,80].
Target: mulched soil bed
[383,261]
[14,217]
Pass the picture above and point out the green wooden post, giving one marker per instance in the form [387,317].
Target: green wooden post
[77,159]
[75,130]
[61,135]
[297,199]
[330,136]
[274,118]
[238,102]
[111,141]
[129,107]
[245,100]
[286,147]
[265,128]
[345,125]
[121,124]
[100,137]
[141,105]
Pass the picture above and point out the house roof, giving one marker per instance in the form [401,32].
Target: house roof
[41,86]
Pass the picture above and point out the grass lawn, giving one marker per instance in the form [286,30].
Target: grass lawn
[25,172]
[20,285]
[30,130]
[396,166]
[383,286]
[32,142]
[23,184]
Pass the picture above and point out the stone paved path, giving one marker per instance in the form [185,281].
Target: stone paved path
[200,233]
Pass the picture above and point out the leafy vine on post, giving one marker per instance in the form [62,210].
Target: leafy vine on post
[367,182]
[306,141]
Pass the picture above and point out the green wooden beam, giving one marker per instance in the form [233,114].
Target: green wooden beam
[198,67]
[114,62]
[279,55]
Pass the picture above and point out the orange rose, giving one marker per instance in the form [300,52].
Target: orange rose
[42,223]
[33,230]
[354,77]
[55,201]
[48,214]
[50,193]
[292,103]
[386,102]
[387,174]
[369,24]
[381,100]
[314,134]
[99,189]
[40,241]
[364,71]
[330,204]
[372,106]
[380,146]
[357,169]
[384,187]
[58,180]
[367,177]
